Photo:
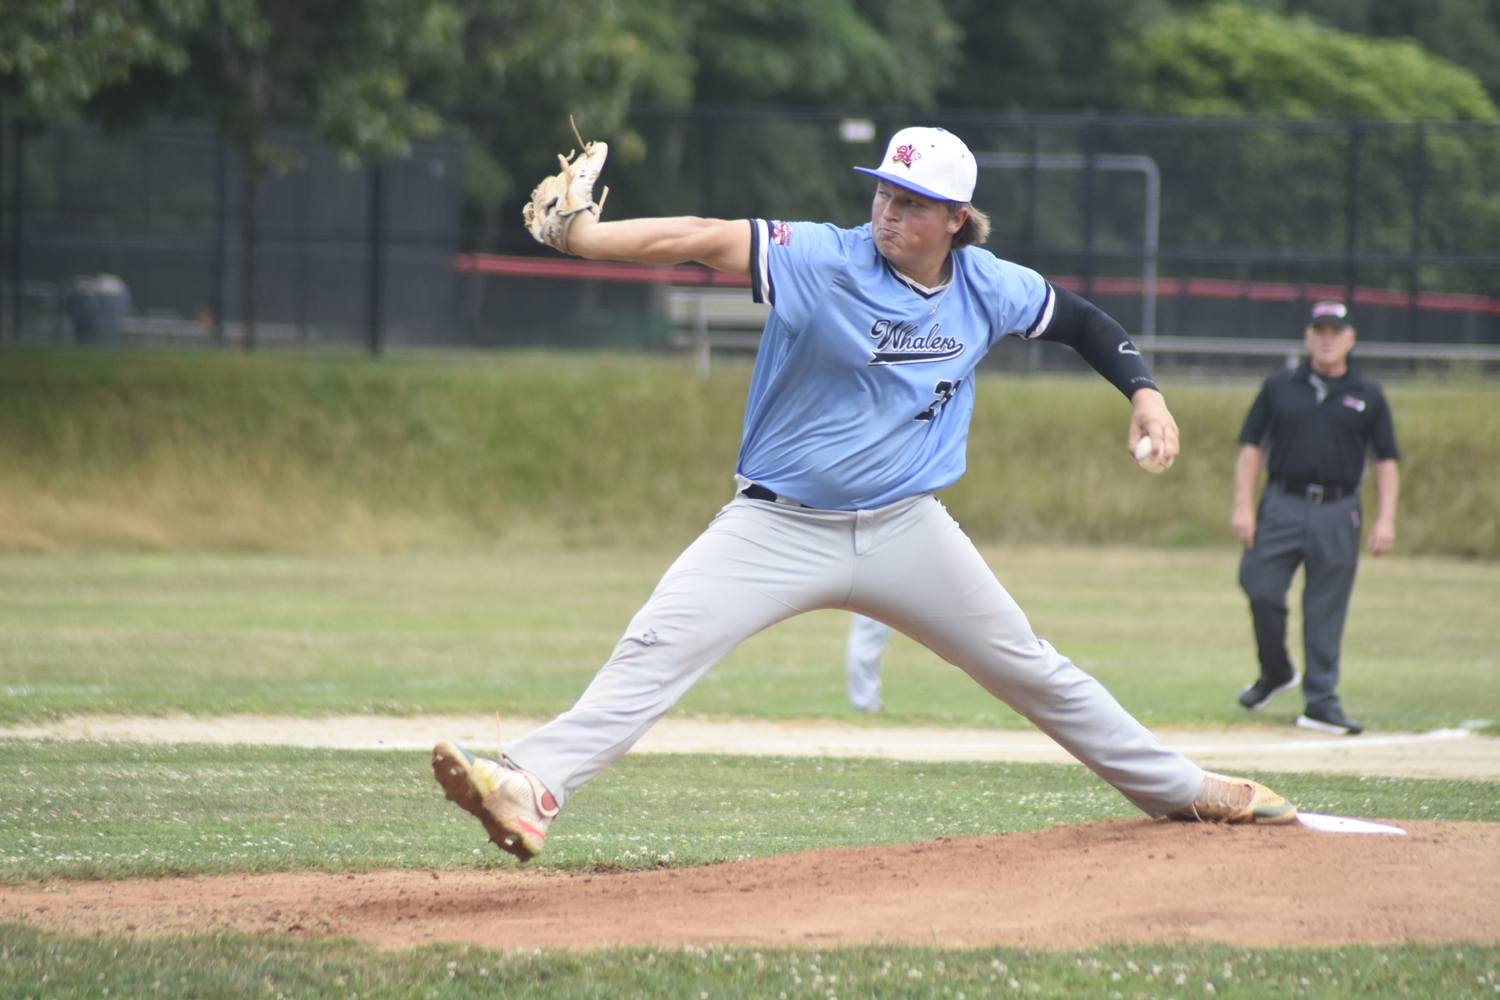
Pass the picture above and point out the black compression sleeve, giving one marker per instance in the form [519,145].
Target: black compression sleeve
[1100,341]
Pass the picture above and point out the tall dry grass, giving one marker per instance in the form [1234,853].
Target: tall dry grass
[306,453]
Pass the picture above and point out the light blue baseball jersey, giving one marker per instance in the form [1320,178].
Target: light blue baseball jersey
[863,387]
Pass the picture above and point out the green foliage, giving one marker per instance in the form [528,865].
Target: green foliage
[1466,32]
[794,51]
[1279,187]
[1230,59]
[818,51]
[55,55]
[40,963]
[1045,55]
[1073,55]
[343,66]
[534,63]
[366,74]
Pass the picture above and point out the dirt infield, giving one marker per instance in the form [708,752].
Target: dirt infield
[1121,880]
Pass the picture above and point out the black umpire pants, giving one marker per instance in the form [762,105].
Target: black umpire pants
[1290,531]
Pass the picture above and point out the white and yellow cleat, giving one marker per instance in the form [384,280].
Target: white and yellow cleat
[1225,799]
[511,803]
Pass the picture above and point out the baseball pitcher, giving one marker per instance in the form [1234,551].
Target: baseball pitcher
[858,411]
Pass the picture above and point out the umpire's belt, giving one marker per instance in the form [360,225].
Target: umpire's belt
[755,491]
[1313,492]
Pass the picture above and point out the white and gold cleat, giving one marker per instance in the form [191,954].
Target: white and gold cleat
[1226,799]
[511,803]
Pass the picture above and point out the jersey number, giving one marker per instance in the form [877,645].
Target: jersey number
[944,391]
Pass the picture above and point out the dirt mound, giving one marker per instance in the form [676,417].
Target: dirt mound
[1124,880]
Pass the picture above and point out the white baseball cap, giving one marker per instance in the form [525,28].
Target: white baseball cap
[929,161]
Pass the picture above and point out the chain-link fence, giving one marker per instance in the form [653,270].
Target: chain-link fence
[342,254]
[1213,236]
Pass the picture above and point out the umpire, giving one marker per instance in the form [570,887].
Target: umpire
[1317,422]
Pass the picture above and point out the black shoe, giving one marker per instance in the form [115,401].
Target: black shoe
[1257,694]
[1329,720]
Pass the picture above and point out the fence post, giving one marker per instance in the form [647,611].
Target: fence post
[377,256]
[17,228]
[1091,156]
[711,167]
[218,294]
[1033,175]
[1419,189]
[1351,242]
[1033,179]
[701,346]
[4,208]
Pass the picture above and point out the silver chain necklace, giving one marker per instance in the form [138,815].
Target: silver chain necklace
[923,290]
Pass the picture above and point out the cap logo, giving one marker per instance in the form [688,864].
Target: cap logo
[1335,309]
[906,156]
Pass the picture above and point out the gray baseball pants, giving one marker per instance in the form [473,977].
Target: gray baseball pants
[909,565]
[1290,531]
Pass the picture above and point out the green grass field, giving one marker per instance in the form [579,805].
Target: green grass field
[522,632]
[118,810]
[317,453]
[312,535]
[39,965]
[90,810]
[524,629]
[438,631]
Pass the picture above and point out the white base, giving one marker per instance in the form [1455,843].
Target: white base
[1346,824]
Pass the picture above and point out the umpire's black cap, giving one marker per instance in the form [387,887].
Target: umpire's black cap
[1330,312]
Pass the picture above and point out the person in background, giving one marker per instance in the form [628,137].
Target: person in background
[1312,427]
[867,639]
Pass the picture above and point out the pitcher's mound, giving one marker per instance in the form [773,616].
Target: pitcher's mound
[1123,880]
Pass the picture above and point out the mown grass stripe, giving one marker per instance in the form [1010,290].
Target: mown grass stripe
[75,809]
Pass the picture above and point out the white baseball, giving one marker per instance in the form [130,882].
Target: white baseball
[1144,459]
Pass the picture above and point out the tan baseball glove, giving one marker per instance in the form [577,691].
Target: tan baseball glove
[556,200]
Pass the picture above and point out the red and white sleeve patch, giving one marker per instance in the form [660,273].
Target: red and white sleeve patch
[781,234]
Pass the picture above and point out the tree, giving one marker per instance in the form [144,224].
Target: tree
[1231,59]
[369,75]
[889,52]
[858,53]
[1466,32]
[342,66]
[527,71]
[527,67]
[57,54]
[1044,55]
[524,68]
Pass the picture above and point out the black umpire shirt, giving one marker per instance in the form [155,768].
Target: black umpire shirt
[1317,429]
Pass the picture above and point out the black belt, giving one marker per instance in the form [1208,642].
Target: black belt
[1313,492]
[755,491]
